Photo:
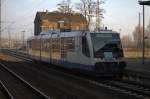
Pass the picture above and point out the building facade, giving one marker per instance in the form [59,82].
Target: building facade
[45,21]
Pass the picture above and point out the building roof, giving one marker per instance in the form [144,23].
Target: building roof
[57,16]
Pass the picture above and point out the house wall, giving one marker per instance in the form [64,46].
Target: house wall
[45,25]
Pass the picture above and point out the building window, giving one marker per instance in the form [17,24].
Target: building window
[58,25]
[65,24]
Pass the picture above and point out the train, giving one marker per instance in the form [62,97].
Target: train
[99,53]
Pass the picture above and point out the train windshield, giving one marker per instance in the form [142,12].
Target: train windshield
[106,45]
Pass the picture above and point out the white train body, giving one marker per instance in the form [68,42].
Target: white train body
[99,53]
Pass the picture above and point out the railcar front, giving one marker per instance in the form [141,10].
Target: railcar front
[107,52]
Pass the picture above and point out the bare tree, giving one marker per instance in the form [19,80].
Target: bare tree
[65,6]
[137,36]
[148,35]
[88,8]
[148,27]
[126,41]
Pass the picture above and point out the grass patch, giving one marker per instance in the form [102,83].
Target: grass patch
[136,53]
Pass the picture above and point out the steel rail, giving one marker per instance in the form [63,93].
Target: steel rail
[25,82]
[139,90]
[137,74]
[6,90]
[17,55]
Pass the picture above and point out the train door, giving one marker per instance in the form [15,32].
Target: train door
[29,47]
[45,49]
[55,52]
[42,48]
[50,48]
[86,55]
[62,47]
[38,48]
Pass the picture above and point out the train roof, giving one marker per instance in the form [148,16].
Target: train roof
[105,31]
[60,34]
[57,33]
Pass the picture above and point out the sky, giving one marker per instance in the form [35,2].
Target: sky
[18,15]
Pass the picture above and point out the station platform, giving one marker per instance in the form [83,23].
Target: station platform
[136,65]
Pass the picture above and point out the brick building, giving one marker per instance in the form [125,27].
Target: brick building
[45,21]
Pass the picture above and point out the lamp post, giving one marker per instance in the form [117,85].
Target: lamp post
[143,52]
[143,3]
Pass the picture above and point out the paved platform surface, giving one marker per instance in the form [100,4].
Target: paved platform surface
[136,65]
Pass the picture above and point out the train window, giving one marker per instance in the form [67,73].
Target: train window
[105,44]
[70,44]
[55,45]
[63,48]
[67,45]
[85,47]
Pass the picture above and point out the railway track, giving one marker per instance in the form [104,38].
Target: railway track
[131,88]
[4,92]
[19,55]
[15,87]
[137,76]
